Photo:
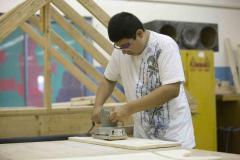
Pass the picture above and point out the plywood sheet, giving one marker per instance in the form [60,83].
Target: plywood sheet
[129,143]
[183,154]
[137,156]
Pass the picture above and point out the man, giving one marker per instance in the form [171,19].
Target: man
[150,67]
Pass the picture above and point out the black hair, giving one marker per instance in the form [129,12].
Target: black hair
[123,25]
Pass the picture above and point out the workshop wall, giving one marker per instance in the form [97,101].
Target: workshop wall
[227,20]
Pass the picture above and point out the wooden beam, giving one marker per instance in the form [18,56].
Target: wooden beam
[79,59]
[86,45]
[74,120]
[79,38]
[62,108]
[97,11]
[23,111]
[41,19]
[85,65]
[11,20]
[79,75]
[84,25]
[35,36]
[47,55]
[83,98]
[232,63]
[32,122]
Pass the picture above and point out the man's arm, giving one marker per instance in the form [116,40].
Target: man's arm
[105,89]
[157,97]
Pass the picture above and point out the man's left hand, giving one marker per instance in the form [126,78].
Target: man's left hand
[119,114]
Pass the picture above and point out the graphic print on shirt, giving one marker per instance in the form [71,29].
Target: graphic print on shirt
[154,121]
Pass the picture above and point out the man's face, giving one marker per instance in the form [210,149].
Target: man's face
[131,46]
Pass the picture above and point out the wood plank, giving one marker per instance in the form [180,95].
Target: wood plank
[232,64]
[47,99]
[228,97]
[24,111]
[79,101]
[85,102]
[79,75]
[82,103]
[114,104]
[54,149]
[136,156]
[183,154]
[97,11]
[79,60]
[61,104]
[32,122]
[11,20]
[87,46]
[83,98]
[79,38]
[60,124]
[84,25]
[34,125]
[84,64]
[88,68]
[129,143]
[11,12]
[70,149]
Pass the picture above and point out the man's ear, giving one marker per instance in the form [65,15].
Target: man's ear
[140,33]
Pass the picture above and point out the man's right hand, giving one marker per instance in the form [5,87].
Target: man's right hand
[96,114]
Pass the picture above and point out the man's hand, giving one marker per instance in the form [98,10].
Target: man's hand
[119,114]
[96,114]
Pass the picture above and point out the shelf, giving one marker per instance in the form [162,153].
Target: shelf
[228,97]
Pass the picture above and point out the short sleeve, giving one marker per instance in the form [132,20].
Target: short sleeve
[112,71]
[170,63]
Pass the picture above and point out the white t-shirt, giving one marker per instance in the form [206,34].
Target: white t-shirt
[159,64]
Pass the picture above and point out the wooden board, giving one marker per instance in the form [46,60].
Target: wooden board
[183,154]
[83,98]
[33,122]
[228,97]
[137,156]
[96,10]
[232,64]
[69,149]
[129,143]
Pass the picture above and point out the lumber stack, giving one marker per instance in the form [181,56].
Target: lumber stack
[233,58]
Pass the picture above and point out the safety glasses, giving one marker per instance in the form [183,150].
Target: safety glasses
[123,46]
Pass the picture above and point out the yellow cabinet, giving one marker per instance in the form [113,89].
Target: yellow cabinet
[200,83]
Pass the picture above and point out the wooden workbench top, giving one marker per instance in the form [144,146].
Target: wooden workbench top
[67,149]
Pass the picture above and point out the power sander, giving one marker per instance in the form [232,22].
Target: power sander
[108,130]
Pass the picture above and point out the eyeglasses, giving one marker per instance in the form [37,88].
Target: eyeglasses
[123,46]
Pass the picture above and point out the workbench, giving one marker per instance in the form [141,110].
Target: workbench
[228,110]
[70,149]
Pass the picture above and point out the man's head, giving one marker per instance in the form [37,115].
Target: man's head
[127,33]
